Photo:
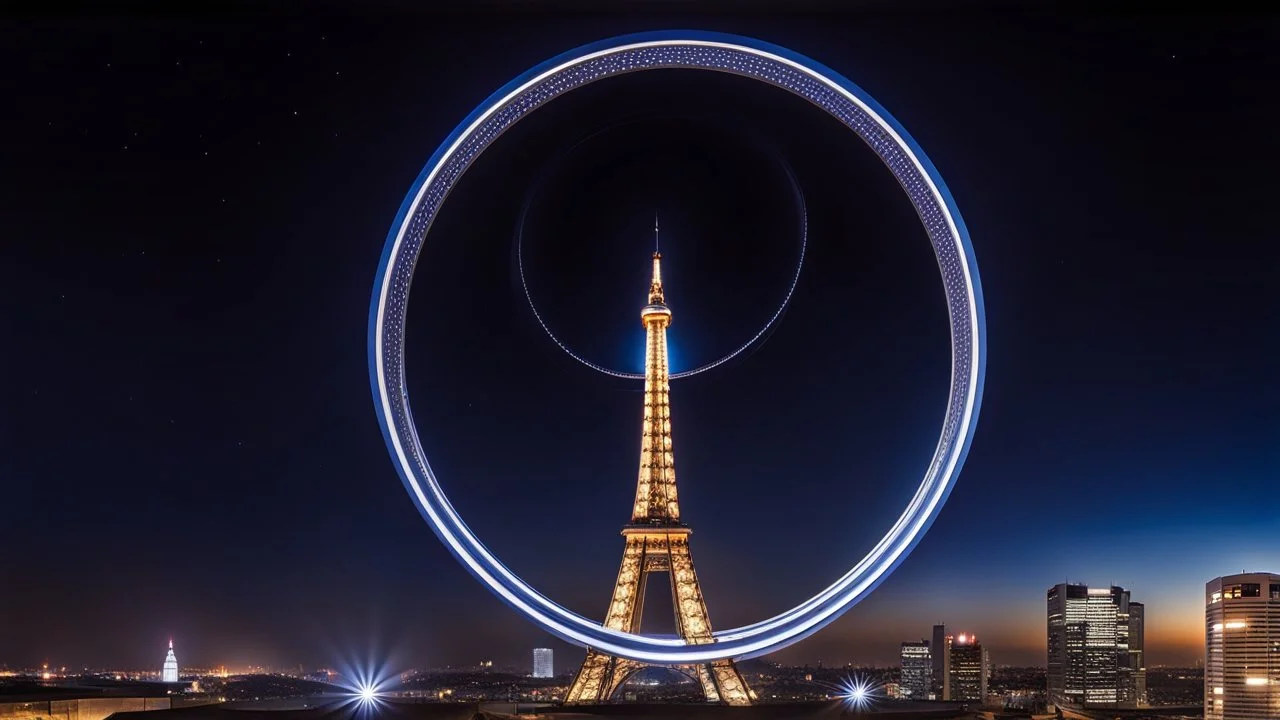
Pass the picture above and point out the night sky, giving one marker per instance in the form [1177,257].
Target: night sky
[193,211]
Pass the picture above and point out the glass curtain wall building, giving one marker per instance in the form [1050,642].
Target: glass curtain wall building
[917,670]
[1096,647]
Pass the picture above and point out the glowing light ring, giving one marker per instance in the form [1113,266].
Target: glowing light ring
[690,50]
[786,300]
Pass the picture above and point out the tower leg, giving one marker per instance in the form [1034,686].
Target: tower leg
[657,550]
[733,689]
[599,677]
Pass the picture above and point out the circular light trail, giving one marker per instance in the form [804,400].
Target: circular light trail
[773,319]
[775,66]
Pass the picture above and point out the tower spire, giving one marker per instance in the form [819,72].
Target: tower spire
[655,286]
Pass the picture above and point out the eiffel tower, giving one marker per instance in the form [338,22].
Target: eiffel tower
[656,541]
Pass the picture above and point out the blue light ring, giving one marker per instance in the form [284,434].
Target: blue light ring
[810,616]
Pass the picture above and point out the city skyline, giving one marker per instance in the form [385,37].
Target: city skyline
[192,359]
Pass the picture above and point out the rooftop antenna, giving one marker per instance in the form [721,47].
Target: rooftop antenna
[655,231]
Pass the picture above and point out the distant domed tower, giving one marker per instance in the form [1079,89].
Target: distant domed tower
[170,672]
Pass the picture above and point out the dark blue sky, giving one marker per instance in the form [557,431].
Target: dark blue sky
[195,208]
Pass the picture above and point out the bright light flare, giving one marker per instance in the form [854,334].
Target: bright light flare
[367,695]
[364,688]
[857,693]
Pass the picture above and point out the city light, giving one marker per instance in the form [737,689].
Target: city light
[367,694]
[366,687]
[857,692]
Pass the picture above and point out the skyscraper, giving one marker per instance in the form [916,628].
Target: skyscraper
[1138,652]
[940,656]
[917,670]
[170,671]
[1096,647]
[970,668]
[543,663]
[1242,647]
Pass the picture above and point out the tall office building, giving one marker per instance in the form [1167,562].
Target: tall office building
[967,679]
[170,671]
[543,663]
[1096,647]
[939,647]
[1242,647]
[917,670]
[1138,652]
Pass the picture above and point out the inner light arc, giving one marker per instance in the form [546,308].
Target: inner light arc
[815,613]
[773,319]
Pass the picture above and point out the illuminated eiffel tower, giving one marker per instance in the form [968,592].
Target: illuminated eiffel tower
[656,541]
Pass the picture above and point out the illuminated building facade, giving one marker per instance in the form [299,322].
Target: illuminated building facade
[657,541]
[969,669]
[1096,647]
[543,663]
[1242,647]
[170,671]
[917,670]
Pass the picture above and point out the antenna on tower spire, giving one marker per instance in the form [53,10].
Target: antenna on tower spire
[655,231]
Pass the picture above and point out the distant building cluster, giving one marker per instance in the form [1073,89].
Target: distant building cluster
[1096,660]
[949,667]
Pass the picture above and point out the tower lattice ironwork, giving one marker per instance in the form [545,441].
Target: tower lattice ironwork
[657,542]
